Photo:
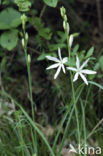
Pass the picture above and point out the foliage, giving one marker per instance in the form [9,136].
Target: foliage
[9,39]
[36,111]
[9,18]
[51,3]
[24,5]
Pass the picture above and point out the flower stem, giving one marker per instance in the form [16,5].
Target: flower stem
[28,63]
[73,92]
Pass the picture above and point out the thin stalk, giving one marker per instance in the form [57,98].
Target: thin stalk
[32,123]
[84,124]
[22,142]
[76,111]
[30,83]
[30,86]
[73,92]
[68,123]
[78,91]
[70,117]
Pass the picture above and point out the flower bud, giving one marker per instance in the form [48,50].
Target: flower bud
[71,40]
[62,11]
[29,58]
[26,36]
[24,20]
[64,25]
[65,18]
[23,42]
[68,28]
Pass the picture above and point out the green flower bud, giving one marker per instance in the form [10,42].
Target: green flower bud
[68,28]
[65,18]
[24,20]
[62,11]
[29,58]
[23,42]
[26,37]
[64,25]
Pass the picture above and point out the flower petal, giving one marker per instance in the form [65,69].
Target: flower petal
[57,72]
[75,77]
[59,54]
[52,58]
[84,78]
[65,59]
[77,62]
[63,68]
[71,68]
[53,66]
[84,64]
[86,71]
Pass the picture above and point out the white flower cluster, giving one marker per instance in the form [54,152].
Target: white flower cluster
[60,65]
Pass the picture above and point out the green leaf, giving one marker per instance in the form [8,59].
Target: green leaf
[96,84]
[33,124]
[90,52]
[101,62]
[42,56]
[51,3]
[75,49]
[42,31]
[3,63]
[53,47]
[9,18]
[45,33]
[8,40]
[24,5]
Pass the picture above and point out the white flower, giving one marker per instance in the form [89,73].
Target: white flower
[59,63]
[80,71]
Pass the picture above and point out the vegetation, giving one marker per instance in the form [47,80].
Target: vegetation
[51,108]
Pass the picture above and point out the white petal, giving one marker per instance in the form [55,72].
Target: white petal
[53,66]
[65,59]
[75,77]
[63,68]
[77,62]
[84,78]
[71,68]
[84,64]
[57,72]
[52,58]
[59,54]
[71,40]
[86,71]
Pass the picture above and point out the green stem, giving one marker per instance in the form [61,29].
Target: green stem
[76,111]
[84,124]
[73,92]
[30,83]
[30,87]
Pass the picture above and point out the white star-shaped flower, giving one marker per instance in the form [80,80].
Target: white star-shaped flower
[59,63]
[80,71]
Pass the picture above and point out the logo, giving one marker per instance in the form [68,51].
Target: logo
[85,149]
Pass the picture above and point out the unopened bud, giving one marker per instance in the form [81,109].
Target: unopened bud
[23,42]
[24,20]
[68,28]
[26,36]
[70,40]
[29,58]
[65,18]
[64,25]
[62,11]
